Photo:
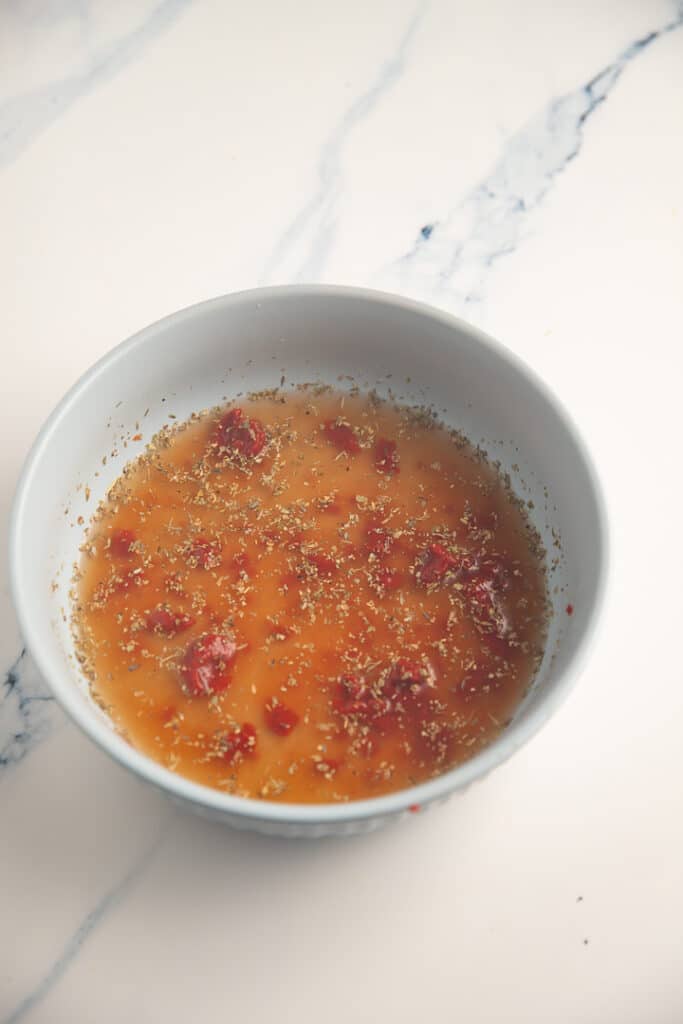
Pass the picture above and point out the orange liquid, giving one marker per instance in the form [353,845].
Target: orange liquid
[391,601]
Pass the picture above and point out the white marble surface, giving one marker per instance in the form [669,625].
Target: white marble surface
[520,165]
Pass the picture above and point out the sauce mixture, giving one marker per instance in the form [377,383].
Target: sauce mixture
[312,596]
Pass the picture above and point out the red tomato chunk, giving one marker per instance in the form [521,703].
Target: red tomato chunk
[240,743]
[240,435]
[279,718]
[342,436]
[389,579]
[437,562]
[206,666]
[355,698]
[379,541]
[408,676]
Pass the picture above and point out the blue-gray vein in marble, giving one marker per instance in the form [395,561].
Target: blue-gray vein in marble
[24,116]
[452,257]
[28,712]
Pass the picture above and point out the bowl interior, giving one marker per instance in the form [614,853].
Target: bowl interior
[212,352]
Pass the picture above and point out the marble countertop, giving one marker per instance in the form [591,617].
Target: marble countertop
[518,165]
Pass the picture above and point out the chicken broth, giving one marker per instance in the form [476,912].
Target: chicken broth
[310,597]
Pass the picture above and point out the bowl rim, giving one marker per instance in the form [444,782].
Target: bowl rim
[215,801]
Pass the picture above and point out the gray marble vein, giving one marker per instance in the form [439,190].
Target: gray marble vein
[25,116]
[452,259]
[310,236]
[112,897]
[28,712]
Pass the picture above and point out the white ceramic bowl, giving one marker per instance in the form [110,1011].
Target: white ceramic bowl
[200,355]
